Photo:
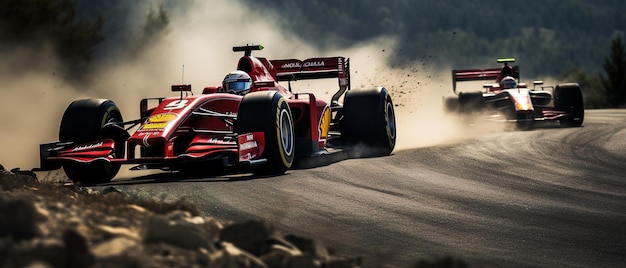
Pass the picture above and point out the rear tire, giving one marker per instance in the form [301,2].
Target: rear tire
[471,102]
[451,104]
[369,119]
[83,121]
[569,98]
[268,112]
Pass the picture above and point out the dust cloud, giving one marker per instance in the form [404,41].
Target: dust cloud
[417,91]
[197,50]
[32,101]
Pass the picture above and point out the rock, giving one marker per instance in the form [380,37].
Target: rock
[112,231]
[36,253]
[19,219]
[235,257]
[213,227]
[17,178]
[309,246]
[110,189]
[177,231]
[77,250]
[116,246]
[285,256]
[126,261]
[64,225]
[303,261]
[113,194]
[251,236]
[137,208]
[29,174]
[92,191]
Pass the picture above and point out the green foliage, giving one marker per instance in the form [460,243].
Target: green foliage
[155,26]
[74,31]
[615,82]
[156,22]
[547,37]
[593,92]
[50,22]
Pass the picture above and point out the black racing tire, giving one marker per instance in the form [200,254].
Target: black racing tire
[84,121]
[269,112]
[369,119]
[451,104]
[504,106]
[470,102]
[569,98]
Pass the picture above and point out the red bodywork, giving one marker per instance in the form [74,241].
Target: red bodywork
[486,74]
[186,128]
[529,104]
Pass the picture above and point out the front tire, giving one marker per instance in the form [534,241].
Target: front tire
[369,119]
[84,121]
[268,112]
[569,98]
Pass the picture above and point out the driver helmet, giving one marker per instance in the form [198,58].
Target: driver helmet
[237,82]
[508,82]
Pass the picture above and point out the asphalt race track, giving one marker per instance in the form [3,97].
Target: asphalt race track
[549,197]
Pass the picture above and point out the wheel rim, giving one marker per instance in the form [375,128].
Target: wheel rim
[390,118]
[286,132]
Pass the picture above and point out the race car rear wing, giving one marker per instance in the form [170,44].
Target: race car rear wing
[480,74]
[315,68]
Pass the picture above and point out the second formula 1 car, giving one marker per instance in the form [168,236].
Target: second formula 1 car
[509,100]
[249,121]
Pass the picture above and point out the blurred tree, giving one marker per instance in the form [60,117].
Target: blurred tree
[154,27]
[550,36]
[594,93]
[40,23]
[615,66]
[156,23]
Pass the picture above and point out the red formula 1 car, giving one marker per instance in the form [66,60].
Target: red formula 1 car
[511,101]
[265,127]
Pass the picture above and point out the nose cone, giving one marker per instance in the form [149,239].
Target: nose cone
[521,98]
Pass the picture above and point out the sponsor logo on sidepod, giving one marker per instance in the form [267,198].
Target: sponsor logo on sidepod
[249,144]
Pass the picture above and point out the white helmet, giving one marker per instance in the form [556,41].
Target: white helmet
[508,82]
[237,82]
